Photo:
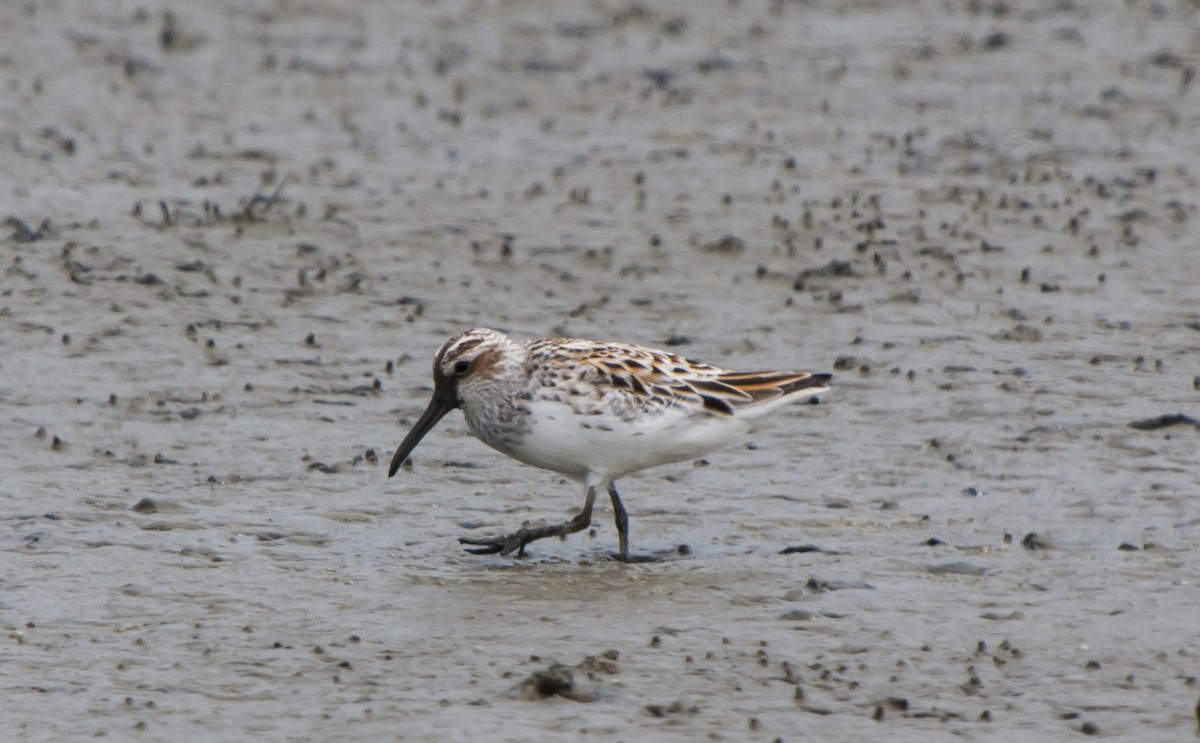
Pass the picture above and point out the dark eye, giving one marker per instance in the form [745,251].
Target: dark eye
[461,366]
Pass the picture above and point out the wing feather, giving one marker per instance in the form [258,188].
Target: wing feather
[636,379]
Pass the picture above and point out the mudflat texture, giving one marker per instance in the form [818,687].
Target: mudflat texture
[237,232]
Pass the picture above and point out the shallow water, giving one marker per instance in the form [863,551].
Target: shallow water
[983,221]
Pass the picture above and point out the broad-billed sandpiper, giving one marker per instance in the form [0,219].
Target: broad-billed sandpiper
[593,411]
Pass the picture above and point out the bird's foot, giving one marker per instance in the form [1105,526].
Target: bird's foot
[523,536]
[499,545]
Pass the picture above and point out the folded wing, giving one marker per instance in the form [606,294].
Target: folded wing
[635,379]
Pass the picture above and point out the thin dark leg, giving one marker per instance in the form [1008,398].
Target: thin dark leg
[622,519]
[521,537]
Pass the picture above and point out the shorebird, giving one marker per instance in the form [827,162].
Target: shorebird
[593,411]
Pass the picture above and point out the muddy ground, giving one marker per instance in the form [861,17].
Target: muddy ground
[237,232]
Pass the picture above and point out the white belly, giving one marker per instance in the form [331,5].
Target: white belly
[559,439]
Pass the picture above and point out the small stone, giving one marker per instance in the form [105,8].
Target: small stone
[797,615]
[145,505]
[1032,541]
[727,245]
[554,680]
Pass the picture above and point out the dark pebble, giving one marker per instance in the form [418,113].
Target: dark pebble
[727,245]
[554,680]
[799,549]
[1163,421]
[1032,541]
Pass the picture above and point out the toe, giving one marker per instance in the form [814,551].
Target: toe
[482,546]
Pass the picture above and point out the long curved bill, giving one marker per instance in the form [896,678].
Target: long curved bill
[435,412]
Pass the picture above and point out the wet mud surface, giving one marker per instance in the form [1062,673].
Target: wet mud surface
[235,237]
